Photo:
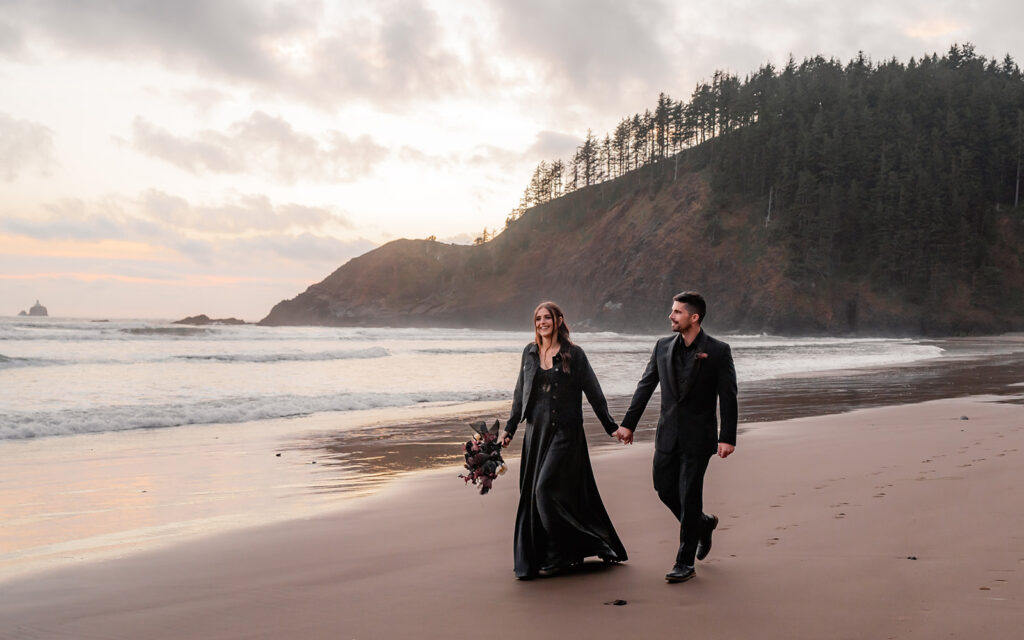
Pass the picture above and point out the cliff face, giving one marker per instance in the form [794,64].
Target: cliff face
[612,256]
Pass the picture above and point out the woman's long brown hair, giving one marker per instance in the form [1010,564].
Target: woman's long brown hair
[562,329]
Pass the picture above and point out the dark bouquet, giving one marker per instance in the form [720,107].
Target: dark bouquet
[483,456]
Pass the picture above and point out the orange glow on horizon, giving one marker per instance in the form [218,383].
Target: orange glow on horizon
[101,249]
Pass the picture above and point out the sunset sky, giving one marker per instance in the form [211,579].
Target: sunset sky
[167,158]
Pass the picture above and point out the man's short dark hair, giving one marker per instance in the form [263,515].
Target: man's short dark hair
[694,303]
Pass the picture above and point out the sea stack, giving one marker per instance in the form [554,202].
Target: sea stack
[37,310]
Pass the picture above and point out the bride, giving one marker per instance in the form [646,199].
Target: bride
[561,519]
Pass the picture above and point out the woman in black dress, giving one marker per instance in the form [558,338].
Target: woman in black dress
[561,519]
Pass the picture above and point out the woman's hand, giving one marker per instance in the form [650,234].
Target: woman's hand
[506,439]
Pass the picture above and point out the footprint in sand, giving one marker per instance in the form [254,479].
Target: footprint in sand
[840,515]
[879,495]
[773,542]
[774,506]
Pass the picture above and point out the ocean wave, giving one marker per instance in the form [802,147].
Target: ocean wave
[357,354]
[171,332]
[37,424]
[15,363]
[443,351]
[241,358]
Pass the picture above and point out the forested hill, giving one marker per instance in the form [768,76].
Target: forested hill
[818,198]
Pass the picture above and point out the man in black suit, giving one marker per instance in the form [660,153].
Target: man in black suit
[695,372]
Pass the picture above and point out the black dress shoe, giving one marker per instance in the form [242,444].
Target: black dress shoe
[560,567]
[704,544]
[681,573]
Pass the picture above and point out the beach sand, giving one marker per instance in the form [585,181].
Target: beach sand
[893,522]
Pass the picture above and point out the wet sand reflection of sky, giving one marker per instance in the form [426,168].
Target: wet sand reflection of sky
[361,460]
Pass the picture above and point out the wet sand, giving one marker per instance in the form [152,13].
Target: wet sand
[372,455]
[77,499]
[892,522]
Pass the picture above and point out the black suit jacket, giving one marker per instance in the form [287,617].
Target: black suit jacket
[688,424]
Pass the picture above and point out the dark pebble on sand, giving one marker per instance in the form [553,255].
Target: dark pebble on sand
[911,557]
[964,418]
[278,455]
[617,603]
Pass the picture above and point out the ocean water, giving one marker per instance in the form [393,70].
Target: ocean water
[129,435]
[61,377]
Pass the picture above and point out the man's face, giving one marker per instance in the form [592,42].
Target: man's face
[680,317]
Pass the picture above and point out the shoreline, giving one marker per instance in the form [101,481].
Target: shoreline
[112,494]
[832,526]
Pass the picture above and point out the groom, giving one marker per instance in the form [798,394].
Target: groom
[695,372]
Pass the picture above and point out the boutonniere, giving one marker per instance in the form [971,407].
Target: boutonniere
[701,356]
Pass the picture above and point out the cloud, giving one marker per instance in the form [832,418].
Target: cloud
[384,53]
[24,145]
[548,145]
[553,144]
[160,217]
[573,58]
[263,144]
[233,38]
[248,235]
[11,39]
[246,214]
[402,52]
[589,49]
[306,247]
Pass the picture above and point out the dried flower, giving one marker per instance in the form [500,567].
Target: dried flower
[483,456]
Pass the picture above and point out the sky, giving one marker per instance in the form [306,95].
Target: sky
[162,159]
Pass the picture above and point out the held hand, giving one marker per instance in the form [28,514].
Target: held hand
[506,439]
[725,449]
[623,435]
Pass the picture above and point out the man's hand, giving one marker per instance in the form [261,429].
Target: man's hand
[623,435]
[506,439]
[725,449]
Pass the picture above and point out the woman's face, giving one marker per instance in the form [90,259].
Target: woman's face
[544,323]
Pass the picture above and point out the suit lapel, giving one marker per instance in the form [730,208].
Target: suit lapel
[669,368]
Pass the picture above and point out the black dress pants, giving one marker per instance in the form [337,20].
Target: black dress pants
[679,481]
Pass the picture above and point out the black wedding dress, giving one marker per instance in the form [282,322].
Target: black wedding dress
[561,519]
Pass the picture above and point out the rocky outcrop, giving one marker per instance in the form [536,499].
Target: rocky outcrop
[203,319]
[614,254]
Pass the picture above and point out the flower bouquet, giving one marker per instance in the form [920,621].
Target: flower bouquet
[483,456]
